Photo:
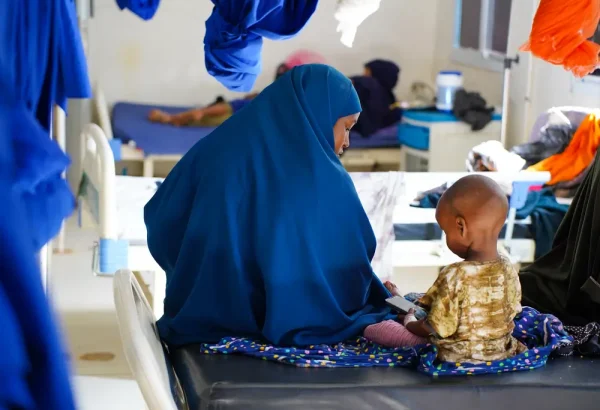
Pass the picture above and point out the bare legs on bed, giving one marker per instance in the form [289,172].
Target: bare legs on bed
[189,117]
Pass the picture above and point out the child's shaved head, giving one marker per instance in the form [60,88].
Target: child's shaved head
[472,211]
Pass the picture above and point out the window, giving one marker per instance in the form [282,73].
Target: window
[596,39]
[481,35]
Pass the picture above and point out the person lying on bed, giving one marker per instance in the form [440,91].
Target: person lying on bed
[209,116]
[375,90]
[472,303]
[259,227]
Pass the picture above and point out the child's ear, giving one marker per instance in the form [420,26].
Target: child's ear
[461,225]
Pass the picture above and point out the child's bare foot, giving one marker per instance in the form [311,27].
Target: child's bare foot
[393,289]
[159,116]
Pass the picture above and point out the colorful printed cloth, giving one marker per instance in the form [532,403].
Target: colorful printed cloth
[541,333]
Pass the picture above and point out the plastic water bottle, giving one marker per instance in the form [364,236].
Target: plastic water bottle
[448,82]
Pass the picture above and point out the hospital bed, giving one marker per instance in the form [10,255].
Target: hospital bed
[185,379]
[114,206]
[133,138]
[419,240]
[380,151]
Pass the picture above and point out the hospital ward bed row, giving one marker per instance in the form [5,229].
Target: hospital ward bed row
[134,138]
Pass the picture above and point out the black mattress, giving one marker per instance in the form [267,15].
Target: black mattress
[243,383]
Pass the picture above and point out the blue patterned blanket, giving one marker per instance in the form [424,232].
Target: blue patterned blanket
[541,333]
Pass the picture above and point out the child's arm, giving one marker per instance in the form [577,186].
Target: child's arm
[420,328]
[417,327]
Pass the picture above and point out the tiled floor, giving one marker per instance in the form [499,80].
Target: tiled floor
[85,306]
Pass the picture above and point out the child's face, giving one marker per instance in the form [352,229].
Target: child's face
[367,72]
[455,229]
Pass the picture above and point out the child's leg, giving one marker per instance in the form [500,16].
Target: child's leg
[212,115]
[159,116]
[390,333]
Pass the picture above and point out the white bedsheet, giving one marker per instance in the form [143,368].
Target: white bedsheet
[132,195]
[415,182]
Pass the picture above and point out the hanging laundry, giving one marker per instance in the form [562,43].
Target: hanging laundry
[144,9]
[471,107]
[352,13]
[560,33]
[578,155]
[42,65]
[235,31]
[492,156]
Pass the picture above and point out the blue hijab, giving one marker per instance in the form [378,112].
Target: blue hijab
[260,229]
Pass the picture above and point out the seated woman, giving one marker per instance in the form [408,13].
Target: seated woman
[375,90]
[219,111]
[259,228]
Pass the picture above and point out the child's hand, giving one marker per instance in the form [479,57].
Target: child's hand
[410,317]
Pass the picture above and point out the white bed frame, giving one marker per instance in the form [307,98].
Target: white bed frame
[100,207]
[128,152]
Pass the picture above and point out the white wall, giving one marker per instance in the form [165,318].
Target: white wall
[551,86]
[487,83]
[162,61]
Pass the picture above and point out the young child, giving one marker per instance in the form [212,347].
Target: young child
[472,304]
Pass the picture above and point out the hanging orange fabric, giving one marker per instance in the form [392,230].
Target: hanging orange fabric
[577,156]
[560,33]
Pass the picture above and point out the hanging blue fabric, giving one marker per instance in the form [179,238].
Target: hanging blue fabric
[235,31]
[41,64]
[34,365]
[144,9]
[259,228]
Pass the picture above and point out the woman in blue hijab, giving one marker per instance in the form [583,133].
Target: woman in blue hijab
[259,228]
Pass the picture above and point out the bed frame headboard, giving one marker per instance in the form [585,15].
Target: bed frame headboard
[98,186]
[102,111]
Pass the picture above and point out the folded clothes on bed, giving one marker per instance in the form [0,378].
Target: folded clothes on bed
[542,334]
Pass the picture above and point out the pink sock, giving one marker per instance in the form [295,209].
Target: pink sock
[390,333]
